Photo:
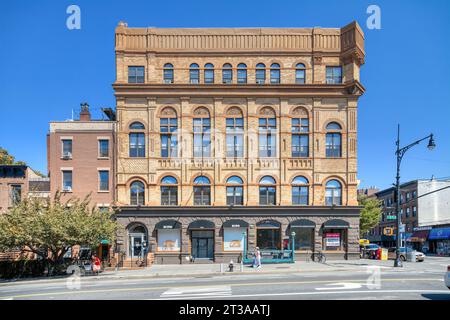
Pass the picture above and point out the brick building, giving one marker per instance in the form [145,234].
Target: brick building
[232,135]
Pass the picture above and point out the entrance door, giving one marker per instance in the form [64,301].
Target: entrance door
[202,244]
[136,247]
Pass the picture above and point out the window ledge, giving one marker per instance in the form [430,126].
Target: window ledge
[103,191]
[102,158]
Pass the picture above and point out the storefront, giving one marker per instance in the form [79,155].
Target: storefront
[334,237]
[418,239]
[202,239]
[234,235]
[268,235]
[439,241]
[304,235]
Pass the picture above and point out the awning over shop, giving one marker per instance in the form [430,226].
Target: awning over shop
[336,224]
[439,234]
[168,224]
[302,223]
[418,236]
[268,224]
[201,224]
[235,223]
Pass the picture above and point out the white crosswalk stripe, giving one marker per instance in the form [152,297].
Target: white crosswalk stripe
[192,293]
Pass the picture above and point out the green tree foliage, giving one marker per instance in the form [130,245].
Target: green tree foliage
[50,227]
[370,214]
[5,157]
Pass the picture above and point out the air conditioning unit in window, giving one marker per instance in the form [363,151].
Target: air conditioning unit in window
[168,81]
[67,189]
[259,81]
[67,155]
[194,81]
[227,81]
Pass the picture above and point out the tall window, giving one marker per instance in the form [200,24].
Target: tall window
[267,136]
[202,191]
[300,191]
[209,73]
[227,73]
[300,73]
[168,133]
[333,140]
[66,148]
[235,191]
[137,140]
[194,74]
[300,137]
[103,148]
[103,177]
[334,75]
[67,180]
[267,191]
[169,191]
[242,73]
[235,136]
[275,73]
[136,74]
[168,73]
[260,73]
[137,193]
[202,137]
[15,194]
[333,193]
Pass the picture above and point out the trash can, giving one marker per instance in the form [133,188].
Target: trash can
[384,254]
[411,256]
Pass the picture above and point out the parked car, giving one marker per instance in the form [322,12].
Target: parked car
[420,257]
[367,251]
[447,277]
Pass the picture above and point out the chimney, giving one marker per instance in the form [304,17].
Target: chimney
[85,115]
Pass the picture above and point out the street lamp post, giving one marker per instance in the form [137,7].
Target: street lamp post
[400,153]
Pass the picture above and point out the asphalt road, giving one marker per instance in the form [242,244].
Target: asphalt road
[425,282]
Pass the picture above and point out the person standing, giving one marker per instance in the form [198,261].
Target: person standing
[258,258]
[96,264]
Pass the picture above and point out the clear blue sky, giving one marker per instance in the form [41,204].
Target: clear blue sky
[46,70]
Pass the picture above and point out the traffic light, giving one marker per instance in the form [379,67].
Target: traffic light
[388,231]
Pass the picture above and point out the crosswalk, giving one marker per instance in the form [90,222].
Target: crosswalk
[195,293]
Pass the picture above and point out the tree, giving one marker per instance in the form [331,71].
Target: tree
[370,214]
[49,228]
[5,157]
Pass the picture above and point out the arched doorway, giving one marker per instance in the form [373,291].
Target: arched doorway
[137,235]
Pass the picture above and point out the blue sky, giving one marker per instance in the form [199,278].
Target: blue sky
[46,70]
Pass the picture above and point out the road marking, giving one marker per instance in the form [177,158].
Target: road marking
[315,293]
[193,293]
[341,286]
[72,292]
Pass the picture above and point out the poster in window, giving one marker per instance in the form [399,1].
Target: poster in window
[168,240]
[233,239]
[332,239]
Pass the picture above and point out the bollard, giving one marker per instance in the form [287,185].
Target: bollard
[242,266]
[221,268]
[231,266]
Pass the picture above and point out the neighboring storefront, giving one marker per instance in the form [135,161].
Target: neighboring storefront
[439,241]
[418,239]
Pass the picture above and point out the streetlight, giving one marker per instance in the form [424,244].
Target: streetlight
[400,153]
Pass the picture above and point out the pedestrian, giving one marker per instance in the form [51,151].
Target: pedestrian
[258,258]
[96,264]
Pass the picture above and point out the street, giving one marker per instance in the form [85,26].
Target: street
[417,281]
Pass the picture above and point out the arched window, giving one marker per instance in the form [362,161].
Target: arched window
[168,125]
[300,73]
[275,73]
[209,73]
[202,191]
[169,191]
[194,73]
[260,73]
[235,194]
[168,73]
[234,133]
[333,193]
[227,73]
[267,133]
[242,73]
[202,133]
[137,193]
[333,140]
[267,191]
[136,140]
[300,191]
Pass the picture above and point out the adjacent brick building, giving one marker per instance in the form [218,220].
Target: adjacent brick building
[236,134]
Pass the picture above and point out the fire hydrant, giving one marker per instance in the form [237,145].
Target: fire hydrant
[231,266]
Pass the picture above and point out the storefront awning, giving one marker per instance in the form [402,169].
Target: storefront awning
[168,224]
[336,224]
[235,223]
[418,236]
[268,224]
[201,224]
[302,223]
[439,234]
